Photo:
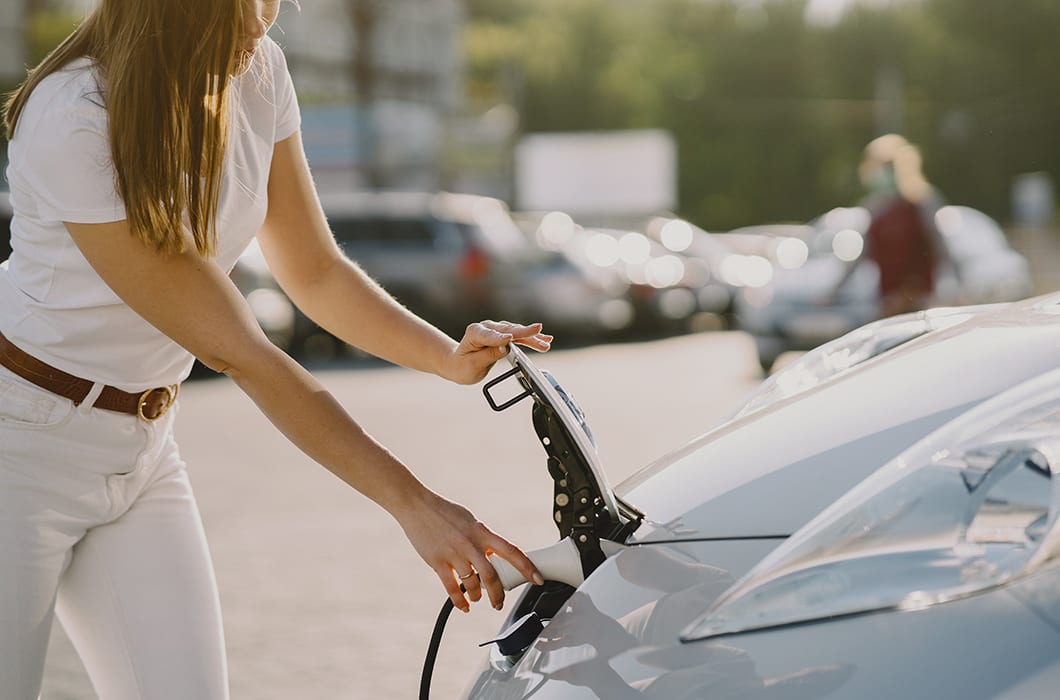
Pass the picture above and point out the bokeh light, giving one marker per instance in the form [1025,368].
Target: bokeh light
[676,235]
[848,244]
[555,230]
[602,250]
[792,253]
[634,248]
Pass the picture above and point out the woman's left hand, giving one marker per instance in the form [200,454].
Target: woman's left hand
[486,342]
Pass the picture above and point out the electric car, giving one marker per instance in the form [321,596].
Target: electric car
[878,520]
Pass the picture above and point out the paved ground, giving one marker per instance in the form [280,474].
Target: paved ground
[323,598]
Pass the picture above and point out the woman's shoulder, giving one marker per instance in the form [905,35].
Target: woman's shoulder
[71,94]
[272,55]
[266,93]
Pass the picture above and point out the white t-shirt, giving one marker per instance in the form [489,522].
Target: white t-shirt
[52,303]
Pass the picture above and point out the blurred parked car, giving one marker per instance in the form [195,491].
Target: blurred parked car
[987,268]
[887,530]
[452,259]
[712,269]
[662,283]
[670,289]
[733,260]
[275,313]
[790,313]
[459,258]
[784,244]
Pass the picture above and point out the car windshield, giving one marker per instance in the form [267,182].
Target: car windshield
[500,241]
[969,233]
[381,231]
[839,232]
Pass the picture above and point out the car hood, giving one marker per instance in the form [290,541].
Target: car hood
[635,603]
[618,637]
[765,474]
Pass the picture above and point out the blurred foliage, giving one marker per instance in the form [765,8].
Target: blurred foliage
[771,113]
[46,28]
[43,32]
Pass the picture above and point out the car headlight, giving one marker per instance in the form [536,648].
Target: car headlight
[967,509]
[852,349]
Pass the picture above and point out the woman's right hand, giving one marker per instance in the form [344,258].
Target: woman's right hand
[455,544]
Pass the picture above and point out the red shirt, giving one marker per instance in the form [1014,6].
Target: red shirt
[901,246]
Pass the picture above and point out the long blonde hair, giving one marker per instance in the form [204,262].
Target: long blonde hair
[164,68]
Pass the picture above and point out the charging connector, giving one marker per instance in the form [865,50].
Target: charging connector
[560,561]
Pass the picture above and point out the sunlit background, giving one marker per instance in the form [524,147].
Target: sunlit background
[766,102]
[651,166]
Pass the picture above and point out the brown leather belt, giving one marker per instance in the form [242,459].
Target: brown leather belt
[149,405]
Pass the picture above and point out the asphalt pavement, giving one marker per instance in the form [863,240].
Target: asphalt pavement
[322,595]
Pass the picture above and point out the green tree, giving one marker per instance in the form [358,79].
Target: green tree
[47,27]
[770,115]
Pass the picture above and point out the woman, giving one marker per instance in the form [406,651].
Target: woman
[145,152]
[901,238]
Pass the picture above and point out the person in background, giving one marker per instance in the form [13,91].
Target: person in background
[902,239]
[146,152]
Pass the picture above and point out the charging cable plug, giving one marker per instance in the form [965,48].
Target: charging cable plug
[557,562]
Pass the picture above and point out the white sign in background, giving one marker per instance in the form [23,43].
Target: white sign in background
[611,172]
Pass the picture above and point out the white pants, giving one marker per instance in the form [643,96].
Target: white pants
[98,526]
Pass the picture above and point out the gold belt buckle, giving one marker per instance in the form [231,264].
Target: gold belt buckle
[150,410]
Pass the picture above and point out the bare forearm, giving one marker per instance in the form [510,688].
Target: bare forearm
[370,319]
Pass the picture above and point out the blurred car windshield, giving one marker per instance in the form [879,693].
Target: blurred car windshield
[838,232]
[384,231]
[969,233]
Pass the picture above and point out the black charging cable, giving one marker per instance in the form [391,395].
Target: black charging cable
[432,647]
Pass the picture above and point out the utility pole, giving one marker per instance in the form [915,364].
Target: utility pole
[14,41]
[889,100]
[365,15]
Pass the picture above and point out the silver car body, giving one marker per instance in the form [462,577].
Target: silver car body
[749,489]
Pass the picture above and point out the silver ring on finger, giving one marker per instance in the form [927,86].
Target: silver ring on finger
[468,575]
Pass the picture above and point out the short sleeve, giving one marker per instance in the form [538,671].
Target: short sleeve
[64,158]
[288,115]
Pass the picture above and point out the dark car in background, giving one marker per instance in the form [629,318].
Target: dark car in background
[671,285]
[706,268]
[444,256]
[458,258]
[659,300]
[275,312]
[452,259]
